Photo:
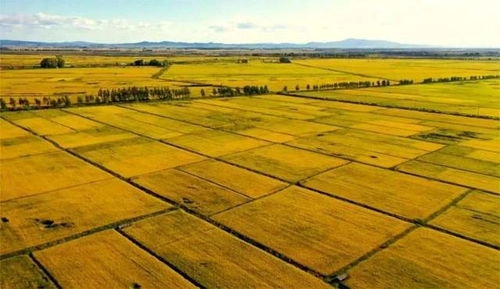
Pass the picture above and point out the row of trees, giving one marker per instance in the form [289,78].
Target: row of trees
[53,62]
[152,62]
[228,91]
[459,78]
[342,85]
[134,93]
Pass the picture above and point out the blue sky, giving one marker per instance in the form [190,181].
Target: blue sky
[437,22]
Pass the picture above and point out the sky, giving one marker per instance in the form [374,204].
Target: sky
[454,23]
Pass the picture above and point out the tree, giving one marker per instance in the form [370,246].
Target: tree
[60,61]
[3,105]
[139,62]
[155,62]
[308,87]
[48,63]
[202,92]
[285,60]
[285,88]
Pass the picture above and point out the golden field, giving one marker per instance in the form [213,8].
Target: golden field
[263,191]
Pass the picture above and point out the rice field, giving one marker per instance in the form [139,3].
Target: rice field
[264,191]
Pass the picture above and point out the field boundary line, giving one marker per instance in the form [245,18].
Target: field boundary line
[45,271]
[159,258]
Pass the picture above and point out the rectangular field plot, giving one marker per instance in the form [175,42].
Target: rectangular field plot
[428,259]
[108,260]
[44,172]
[397,193]
[214,258]
[215,143]
[256,72]
[283,162]
[466,158]
[322,233]
[94,136]
[193,192]
[459,177]
[23,146]
[385,124]
[35,220]
[468,98]
[67,119]
[321,143]
[22,273]
[132,157]
[8,130]
[367,147]
[181,111]
[243,181]
[476,216]
[441,117]
[37,124]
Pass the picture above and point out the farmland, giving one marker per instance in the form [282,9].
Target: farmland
[352,187]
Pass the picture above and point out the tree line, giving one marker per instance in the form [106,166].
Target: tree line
[53,62]
[228,91]
[459,78]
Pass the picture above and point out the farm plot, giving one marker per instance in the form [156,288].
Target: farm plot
[367,147]
[137,156]
[42,218]
[476,216]
[9,130]
[283,162]
[75,81]
[215,142]
[416,69]
[191,191]
[466,158]
[240,180]
[108,260]
[24,146]
[21,273]
[305,226]
[37,124]
[397,193]
[94,136]
[41,173]
[391,125]
[456,176]
[470,98]
[214,258]
[274,75]
[419,261]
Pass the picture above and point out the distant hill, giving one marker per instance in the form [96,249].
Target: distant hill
[350,43]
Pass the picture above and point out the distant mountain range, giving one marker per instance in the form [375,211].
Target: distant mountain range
[350,43]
